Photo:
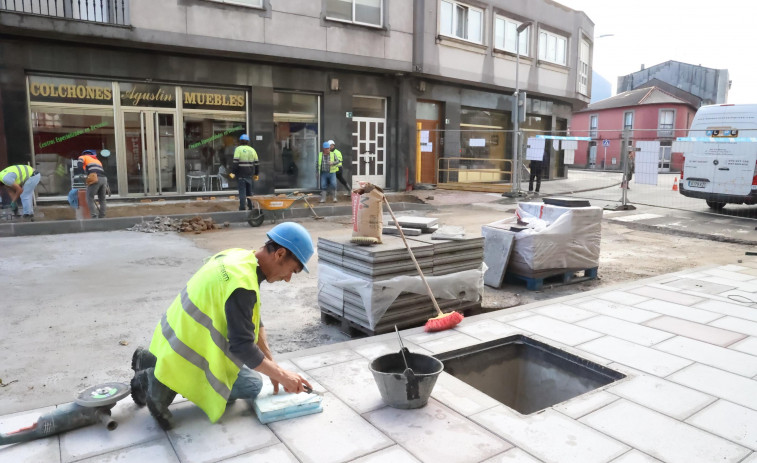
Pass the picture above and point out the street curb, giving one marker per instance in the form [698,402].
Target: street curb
[58,227]
[684,233]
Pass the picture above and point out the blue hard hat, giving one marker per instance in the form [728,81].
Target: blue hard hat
[326,144]
[245,137]
[89,152]
[294,237]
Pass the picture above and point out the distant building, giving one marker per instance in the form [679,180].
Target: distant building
[600,87]
[710,85]
[645,114]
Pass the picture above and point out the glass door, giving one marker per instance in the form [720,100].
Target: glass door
[150,152]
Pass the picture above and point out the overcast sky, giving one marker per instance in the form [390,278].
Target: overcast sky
[720,34]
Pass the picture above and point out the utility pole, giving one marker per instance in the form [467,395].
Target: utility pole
[516,113]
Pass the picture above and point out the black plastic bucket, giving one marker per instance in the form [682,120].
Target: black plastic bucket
[406,390]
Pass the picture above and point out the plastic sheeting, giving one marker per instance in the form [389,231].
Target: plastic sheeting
[555,237]
[378,296]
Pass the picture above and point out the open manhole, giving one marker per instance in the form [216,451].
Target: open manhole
[525,374]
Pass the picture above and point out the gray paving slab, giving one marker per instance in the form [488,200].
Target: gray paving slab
[436,433]
[661,436]
[690,396]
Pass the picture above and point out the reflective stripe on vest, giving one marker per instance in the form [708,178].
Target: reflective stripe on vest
[332,158]
[245,155]
[191,340]
[92,164]
[22,173]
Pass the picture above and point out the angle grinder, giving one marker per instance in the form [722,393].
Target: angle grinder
[90,406]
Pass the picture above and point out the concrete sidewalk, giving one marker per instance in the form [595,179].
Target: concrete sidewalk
[686,343]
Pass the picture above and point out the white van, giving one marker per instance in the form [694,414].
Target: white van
[720,155]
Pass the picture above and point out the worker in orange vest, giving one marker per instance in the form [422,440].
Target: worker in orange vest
[97,182]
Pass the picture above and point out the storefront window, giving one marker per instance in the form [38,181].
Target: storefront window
[69,116]
[485,144]
[296,130]
[209,143]
[60,135]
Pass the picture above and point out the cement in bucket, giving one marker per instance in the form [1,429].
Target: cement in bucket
[406,391]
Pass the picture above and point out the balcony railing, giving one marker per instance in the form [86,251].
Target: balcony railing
[97,11]
[665,131]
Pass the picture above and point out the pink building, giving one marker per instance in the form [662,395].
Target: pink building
[643,114]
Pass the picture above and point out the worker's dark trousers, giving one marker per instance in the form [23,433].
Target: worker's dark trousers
[535,174]
[244,185]
[247,386]
[342,180]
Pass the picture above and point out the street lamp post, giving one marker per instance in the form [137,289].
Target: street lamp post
[516,119]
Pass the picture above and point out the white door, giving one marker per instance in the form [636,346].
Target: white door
[369,151]
[665,158]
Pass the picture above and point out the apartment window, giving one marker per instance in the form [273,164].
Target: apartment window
[252,3]
[461,21]
[665,126]
[583,68]
[593,124]
[552,47]
[628,120]
[505,32]
[368,12]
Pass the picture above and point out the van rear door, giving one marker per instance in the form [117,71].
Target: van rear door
[723,168]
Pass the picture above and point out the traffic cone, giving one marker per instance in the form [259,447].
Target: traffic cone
[675,184]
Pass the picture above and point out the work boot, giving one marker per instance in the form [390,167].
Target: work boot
[323,197]
[28,217]
[159,397]
[334,197]
[142,359]
[139,385]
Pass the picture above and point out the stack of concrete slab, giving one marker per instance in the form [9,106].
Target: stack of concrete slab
[412,225]
[385,261]
[450,256]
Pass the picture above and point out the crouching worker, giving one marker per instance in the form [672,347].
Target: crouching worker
[210,346]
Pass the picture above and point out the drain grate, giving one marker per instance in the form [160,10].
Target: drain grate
[525,374]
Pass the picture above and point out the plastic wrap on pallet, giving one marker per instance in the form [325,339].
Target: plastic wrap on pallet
[569,239]
[377,296]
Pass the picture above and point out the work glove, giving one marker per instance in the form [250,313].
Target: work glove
[14,206]
[232,175]
[255,177]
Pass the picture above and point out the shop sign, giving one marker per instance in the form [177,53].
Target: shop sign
[211,98]
[148,95]
[64,90]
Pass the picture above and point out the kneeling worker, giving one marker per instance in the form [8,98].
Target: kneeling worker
[211,338]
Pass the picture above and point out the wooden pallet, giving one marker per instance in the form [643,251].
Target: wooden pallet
[352,328]
[535,281]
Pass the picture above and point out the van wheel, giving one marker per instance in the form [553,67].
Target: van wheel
[717,205]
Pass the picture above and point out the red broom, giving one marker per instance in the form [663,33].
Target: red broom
[443,321]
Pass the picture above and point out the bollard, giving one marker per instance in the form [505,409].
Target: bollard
[82,212]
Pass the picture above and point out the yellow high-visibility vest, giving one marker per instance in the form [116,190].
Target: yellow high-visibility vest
[22,173]
[191,340]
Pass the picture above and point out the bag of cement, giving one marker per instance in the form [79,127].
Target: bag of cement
[367,214]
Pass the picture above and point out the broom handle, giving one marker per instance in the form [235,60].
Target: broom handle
[418,267]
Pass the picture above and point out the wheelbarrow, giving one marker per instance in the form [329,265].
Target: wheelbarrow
[274,203]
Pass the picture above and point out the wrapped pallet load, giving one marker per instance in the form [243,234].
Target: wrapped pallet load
[550,237]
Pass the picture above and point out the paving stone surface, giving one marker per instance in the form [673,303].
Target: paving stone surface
[689,353]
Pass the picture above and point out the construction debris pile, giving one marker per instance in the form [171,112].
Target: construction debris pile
[372,288]
[164,224]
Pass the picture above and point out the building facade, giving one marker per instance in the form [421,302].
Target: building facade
[410,91]
[710,85]
[619,122]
